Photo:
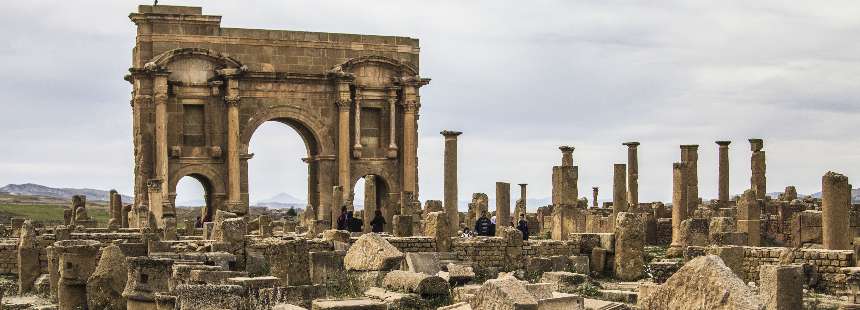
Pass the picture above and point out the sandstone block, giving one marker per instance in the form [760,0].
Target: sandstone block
[418,283]
[371,252]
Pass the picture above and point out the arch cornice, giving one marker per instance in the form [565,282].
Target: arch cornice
[160,62]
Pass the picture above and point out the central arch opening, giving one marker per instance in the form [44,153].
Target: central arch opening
[193,198]
[278,175]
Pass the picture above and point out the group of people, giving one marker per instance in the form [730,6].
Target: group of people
[487,227]
[347,222]
[483,226]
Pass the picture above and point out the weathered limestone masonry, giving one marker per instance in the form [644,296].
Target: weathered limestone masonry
[749,215]
[758,181]
[690,157]
[679,203]
[835,198]
[450,175]
[564,195]
[594,191]
[201,90]
[521,205]
[503,206]
[723,179]
[632,173]
[619,189]
[371,204]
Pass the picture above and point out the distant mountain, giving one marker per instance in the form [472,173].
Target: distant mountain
[30,189]
[281,201]
[855,195]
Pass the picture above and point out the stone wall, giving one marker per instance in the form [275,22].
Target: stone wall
[413,244]
[663,232]
[9,256]
[827,263]
[492,252]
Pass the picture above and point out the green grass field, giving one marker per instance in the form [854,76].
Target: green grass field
[48,214]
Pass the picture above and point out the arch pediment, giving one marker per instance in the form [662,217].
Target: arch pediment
[402,68]
[161,61]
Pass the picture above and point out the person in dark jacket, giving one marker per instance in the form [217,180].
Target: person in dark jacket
[343,219]
[378,223]
[523,226]
[483,226]
[354,224]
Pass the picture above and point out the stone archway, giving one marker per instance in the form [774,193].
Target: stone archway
[209,178]
[376,196]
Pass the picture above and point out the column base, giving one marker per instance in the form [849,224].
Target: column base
[675,251]
[392,152]
[356,151]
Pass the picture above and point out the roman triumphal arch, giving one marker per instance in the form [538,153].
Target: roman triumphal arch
[201,90]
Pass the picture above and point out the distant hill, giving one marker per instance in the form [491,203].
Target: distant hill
[281,201]
[30,189]
[855,195]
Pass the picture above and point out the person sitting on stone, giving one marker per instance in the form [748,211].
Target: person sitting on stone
[198,223]
[378,223]
[523,226]
[343,219]
[466,233]
[482,225]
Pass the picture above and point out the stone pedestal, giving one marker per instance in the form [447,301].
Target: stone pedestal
[435,225]
[629,246]
[402,225]
[835,197]
[75,265]
[781,286]
[146,277]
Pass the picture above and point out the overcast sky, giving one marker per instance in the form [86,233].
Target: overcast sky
[518,78]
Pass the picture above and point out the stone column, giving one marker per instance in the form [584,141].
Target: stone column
[392,119]
[679,203]
[337,201]
[629,246]
[723,187]
[619,189]
[503,206]
[343,147]
[450,172]
[370,203]
[234,187]
[410,143]
[835,194]
[758,181]
[155,211]
[115,209]
[564,179]
[632,173]
[521,203]
[161,155]
[356,148]
[566,155]
[690,156]
[594,191]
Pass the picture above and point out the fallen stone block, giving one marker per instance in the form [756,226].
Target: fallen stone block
[348,304]
[371,252]
[413,282]
[504,293]
[703,283]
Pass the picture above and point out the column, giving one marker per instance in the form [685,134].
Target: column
[594,191]
[690,156]
[392,118]
[160,98]
[566,155]
[835,197]
[410,178]
[758,181]
[723,187]
[234,189]
[343,155]
[503,206]
[337,202]
[156,203]
[356,148]
[619,189]
[679,202]
[450,175]
[632,173]
[370,202]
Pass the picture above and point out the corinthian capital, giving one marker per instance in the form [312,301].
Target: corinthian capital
[160,98]
[343,104]
[411,105]
[232,101]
